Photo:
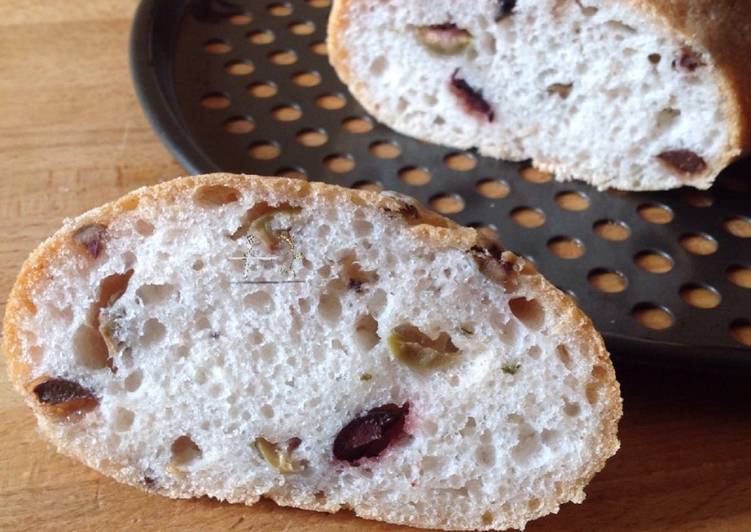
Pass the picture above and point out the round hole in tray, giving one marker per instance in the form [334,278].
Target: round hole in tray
[613,230]
[699,243]
[447,203]
[572,201]
[655,317]
[239,125]
[373,186]
[217,46]
[263,89]
[608,281]
[287,112]
[493,188]
[310,78]
[461,161]
[654,261]
[340,163]
[261,37]
[414,176]
[280,9]
[533,175]
[700,295]
[656,213]
[242,19]
[357,124]
[566,247]
[528,217]
[739,226]
[740,330]
[739,275]
[264,150]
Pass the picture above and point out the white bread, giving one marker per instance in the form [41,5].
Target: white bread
[625,94]
[171,342]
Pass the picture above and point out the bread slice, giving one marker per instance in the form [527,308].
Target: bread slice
[626,94]
[239,337]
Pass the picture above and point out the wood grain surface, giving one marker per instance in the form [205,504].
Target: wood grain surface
[73,136]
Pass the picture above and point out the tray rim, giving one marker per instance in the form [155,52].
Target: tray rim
[152,94]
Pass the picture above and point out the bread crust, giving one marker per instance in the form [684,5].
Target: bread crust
[433,229]
[721,29]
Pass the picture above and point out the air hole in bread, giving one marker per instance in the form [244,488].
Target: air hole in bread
[366,332]
[153,294]
[527,311]
[215,390]
[110,289]
[487,518]
[134,380]
[123,420]
[431,463]
[198,265]
[619,27]
[485,455]
[654,58]
[563,355]
[323,231]
[267,411]
[378,65]
[534,504]
[571,409]
[215,195]
[356,278]
[599,372]
[362,228]
[154,331]
[185,451]
[143,227]
[329,306]
[259,300]
[534,352]
[201,377]
[528,445]
[550,437]
[268,352]
[90,350]
[470,427]
[429,427]
[201,322]
[592,392]
[667,117]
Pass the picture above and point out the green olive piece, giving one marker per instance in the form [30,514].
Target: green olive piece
[276,457]
[420,352]
[261,227]
[443,39]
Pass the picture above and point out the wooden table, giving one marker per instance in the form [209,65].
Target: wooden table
[73,136]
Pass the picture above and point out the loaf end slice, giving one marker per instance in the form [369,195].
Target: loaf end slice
[631,95]
[241,337]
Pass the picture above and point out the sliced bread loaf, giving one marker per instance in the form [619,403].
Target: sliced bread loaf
[240,337]
[627,94]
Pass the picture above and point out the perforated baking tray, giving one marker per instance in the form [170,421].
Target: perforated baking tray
[245,86]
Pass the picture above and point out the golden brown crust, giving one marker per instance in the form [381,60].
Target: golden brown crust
[435,230]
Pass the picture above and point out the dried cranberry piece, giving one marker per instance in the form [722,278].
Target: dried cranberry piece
[56,391]
[91,237]
[504,9]
[684,161]
[370,434]
[471,98]
[687,60]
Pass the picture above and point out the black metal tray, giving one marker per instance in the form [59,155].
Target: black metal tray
[245,86]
